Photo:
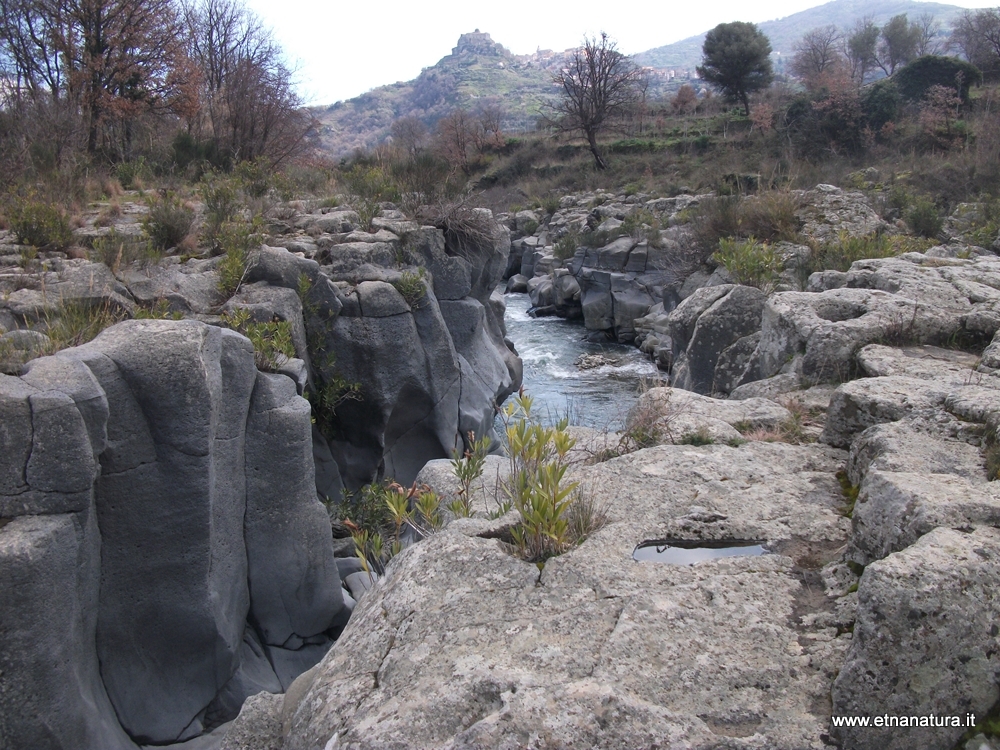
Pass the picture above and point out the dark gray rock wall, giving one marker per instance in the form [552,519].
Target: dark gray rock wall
[51,694]
[173,514]
[165,497]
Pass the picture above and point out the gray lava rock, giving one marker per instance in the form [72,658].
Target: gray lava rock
[894,509]
[860,404]
[706,324]
[171,506]
[294,584]
[186,287]
[925,641]
[258,726]
[602,651]
[517,284]
[51,694]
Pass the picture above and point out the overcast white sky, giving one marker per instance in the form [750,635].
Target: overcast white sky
[342,49]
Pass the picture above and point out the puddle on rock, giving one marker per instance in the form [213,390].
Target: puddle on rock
[690,551]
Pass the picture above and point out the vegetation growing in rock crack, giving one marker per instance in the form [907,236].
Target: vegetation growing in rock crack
[271,340]
[467,468]
[328,389]
[850,493]
[749,262]
[537,486]
[412,286]
[384,515]
[237,240]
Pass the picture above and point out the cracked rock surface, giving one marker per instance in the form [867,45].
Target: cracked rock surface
[462,645]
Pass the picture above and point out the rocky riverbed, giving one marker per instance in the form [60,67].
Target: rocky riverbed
[846,420]
[163,546]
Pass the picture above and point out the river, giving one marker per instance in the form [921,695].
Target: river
[549,347]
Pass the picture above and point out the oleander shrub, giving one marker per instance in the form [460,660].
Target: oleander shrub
[552,515]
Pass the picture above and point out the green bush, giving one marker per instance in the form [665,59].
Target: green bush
[841,253]
[552,516]
[914,79]
[370,187]
[256,177]
[467,468]
[237,240]
[880,103]
[169,221]
[986,224]
[222,202]
[116,250]
[412,287]
[924,219]
[272,340]
[750,263]
[566,246]
[39,224]
[642,225]
[131,173]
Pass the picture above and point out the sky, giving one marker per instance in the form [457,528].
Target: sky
[342,49]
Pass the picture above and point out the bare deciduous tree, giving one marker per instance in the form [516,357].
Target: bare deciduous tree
[927,36]
[976,35]
[454,139]
[249,107]
[113,60]
[599,84]
[818,55]
[488,127]
[409,134]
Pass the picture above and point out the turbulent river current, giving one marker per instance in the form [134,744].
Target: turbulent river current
[550,348]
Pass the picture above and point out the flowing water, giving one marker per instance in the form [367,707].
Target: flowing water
[550,347]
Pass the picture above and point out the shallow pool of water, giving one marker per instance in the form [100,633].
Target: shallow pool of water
[598,397]
[688,552]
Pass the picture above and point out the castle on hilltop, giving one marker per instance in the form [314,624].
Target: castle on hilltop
[478,43]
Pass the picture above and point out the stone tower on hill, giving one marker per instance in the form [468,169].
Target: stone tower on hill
[478,43]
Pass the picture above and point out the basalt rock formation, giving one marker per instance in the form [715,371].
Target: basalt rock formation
[164,553]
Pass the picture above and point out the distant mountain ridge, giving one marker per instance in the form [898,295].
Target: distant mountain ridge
[785,32]
[480,70]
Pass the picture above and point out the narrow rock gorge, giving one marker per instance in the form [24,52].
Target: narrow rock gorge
[164,550]
[168,566]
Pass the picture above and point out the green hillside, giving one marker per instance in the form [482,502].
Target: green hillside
[477,71]
[785,32]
